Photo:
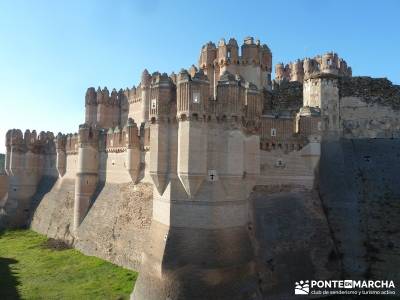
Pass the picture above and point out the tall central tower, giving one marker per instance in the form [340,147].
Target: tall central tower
[204,162]
[253,63]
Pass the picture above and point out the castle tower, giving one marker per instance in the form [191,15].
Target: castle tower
[124,106]
[280,73]
[256,61]
[310,66]
[231,96]
[321,91]
[297,71]
[103,108]
[228,53]
[133,150]
[253,65]
[254,104]
[61,161]
[199,245]
[115,109]
[330,63]
[25,161]
[162,96]
[91,106]
[145,87]
[87,171]
[208,55]
[192,103]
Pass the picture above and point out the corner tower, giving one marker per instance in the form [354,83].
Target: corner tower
[87,172]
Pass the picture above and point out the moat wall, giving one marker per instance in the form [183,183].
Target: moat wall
[115,227]
[360,192]
[292,239]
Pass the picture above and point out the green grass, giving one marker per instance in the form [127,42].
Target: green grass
[30,271]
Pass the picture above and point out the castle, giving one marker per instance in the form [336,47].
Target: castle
[204,139]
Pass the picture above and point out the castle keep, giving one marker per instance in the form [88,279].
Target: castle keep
[216,149]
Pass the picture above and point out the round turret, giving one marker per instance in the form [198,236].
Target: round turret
[90,97]
[266,58]
[103,96]
[145,79]
[329,63]
[250,51]
[114,97]
[279,71]
[296,71]
[27,137]
[91,105]
[228,53]
[207,55]
[15,137]
[308,66]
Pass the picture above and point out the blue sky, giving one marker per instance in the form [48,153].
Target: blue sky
[51,51]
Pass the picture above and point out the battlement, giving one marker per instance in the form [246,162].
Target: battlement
[252,53]
[115,140]
[29,141]
[120,139]
[87,135]
[299,70]
[71,144]
[253,62]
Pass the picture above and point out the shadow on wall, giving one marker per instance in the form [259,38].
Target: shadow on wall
[45,186]
[292,239]
[8,280]
[99,187]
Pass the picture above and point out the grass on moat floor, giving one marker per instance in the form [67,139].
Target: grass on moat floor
[30,269]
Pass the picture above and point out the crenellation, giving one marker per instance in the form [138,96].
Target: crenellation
[115,140]
[72,143]
[300,70]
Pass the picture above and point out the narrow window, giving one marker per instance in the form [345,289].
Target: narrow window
[273,131]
